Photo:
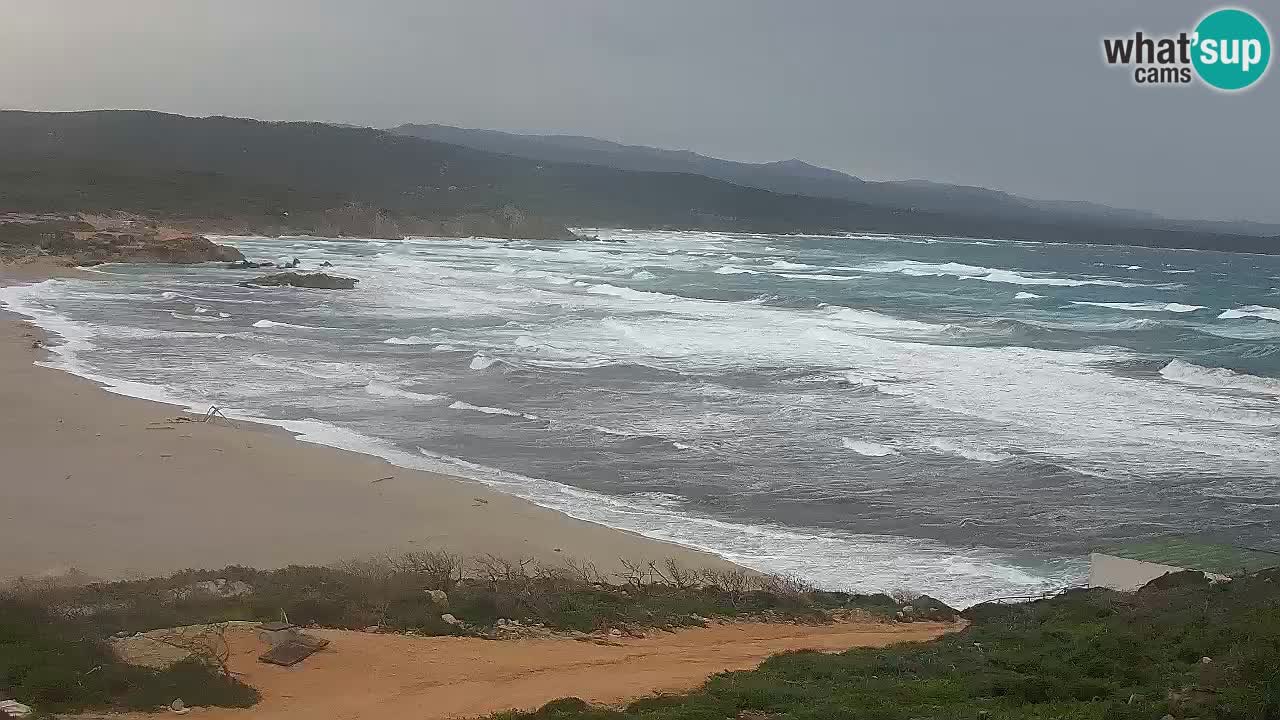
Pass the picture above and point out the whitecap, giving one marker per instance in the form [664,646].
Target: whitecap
[1151,306]
[195,318]
[481,362]
[459,405]
[1219,378]
[1026,296]
[784,265]
[976,272]
[969,451]
[868,449]
[386,390]
[734,270]
[1252,311]
[411,340]
[274,324]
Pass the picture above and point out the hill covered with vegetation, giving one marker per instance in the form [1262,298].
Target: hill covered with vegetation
[296,174]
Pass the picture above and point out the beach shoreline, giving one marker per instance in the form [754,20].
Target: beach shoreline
[111,486]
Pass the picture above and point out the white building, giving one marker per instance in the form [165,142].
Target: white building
[1129,567]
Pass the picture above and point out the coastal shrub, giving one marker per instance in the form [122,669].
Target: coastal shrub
[1091,654]
[393,593]
[56,664]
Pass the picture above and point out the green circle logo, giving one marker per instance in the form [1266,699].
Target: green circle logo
[1232,49]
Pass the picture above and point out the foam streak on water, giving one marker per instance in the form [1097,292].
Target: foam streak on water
[868,411]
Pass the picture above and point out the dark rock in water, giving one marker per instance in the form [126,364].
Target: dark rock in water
[249,265]
[295,263]
[319,281]
[326,263]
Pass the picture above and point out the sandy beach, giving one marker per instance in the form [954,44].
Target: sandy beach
[114,486]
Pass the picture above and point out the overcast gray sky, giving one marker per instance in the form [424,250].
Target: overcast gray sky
[1010,94]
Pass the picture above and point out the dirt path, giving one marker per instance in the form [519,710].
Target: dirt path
[389,677]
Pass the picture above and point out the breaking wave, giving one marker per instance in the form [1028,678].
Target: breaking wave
[385,390]
[969,452]
[1252,311]
[1143,306]
[459,405]
[868,449]
[274,324]
[976,272]
[1219,378]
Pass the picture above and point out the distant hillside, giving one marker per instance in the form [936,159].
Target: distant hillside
[801,178]
[175,166]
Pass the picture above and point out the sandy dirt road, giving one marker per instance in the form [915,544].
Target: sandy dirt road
[362,676]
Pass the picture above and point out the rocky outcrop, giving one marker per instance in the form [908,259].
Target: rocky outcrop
[124,247]
[320,281]
[79,243]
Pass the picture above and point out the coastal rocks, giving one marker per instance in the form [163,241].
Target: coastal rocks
[249,265]
[219,588]
[127,247]
[78,242]
[320,281]
[14,709]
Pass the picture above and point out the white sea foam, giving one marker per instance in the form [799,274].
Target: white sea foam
[194,318]
[275,324]
[386,390]
[784,265]
[818,276]
[1219,378]
[969,451]
[1252,311]
[975,272]
[868,449]
[481,362]
[883,386]
[734,270]
[411,340]
[1152,306]
[1026,296]
[459,405]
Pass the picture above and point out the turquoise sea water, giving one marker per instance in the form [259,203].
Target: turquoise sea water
[964,417]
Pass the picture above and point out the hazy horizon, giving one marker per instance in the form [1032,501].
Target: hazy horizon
[995,94]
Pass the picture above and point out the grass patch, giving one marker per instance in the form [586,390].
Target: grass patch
[59,664]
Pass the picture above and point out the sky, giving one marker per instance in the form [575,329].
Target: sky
[1007,94]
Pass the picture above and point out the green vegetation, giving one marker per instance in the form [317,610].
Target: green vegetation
[57,663]
[393,594]
[257,173]
[1085,654]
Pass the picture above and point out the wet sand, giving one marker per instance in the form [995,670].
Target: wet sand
[119,487]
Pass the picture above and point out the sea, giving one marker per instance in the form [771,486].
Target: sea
[963,417]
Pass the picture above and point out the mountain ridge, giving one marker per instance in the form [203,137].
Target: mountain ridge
[257,173]
[795,176]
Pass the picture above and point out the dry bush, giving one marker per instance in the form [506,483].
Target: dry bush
[583,571]
[207,644]
[787,585]
[904,596]
[441,570]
